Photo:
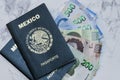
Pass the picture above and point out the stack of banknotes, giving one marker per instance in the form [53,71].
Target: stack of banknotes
[78,26]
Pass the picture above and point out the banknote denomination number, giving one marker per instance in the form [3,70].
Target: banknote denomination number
[79,20]
[87,65]
[69,10]
[86,27]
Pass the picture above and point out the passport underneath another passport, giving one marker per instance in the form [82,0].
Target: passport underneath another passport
[40,42]
[12,54]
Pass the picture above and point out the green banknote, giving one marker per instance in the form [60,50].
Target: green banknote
[91,35]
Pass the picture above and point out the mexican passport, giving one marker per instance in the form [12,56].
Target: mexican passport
[12,54]
[40,42]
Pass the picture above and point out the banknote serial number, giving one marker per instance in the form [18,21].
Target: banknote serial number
[69,10]
[87,65]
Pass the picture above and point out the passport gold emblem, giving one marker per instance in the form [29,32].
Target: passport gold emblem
[39,40]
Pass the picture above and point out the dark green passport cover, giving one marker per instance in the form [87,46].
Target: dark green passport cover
[40,42]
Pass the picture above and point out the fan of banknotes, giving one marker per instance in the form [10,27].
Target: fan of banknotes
[78,26]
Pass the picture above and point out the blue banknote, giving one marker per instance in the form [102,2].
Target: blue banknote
[74,15]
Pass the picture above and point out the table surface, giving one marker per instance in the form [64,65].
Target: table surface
[108,12]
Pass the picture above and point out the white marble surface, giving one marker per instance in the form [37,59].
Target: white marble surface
[108,12]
